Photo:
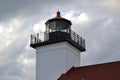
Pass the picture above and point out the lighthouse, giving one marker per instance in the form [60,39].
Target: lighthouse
[58,48]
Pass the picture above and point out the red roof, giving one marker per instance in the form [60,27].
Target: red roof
[58,17]
[106,71]
[58,14]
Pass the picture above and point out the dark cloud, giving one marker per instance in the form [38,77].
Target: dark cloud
[102,42]
[17,19]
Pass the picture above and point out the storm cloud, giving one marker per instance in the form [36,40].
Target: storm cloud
[95,20]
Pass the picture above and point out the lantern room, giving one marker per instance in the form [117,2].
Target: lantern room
[58,24]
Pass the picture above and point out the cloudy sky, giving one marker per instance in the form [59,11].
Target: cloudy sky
[98,21]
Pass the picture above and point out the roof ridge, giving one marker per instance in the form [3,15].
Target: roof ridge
[107,63]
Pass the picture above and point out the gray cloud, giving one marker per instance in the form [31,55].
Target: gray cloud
[17,18]
[102,42]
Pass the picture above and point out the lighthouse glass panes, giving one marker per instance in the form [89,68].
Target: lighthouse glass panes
[58,25]
[63,24]
[52,26]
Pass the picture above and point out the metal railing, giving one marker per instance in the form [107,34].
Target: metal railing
[76,38]
[44,36]
[39,38]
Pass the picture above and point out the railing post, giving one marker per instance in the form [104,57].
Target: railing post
[70,31]
[37,37]
[81,42]
[84,43]
[77,39]
[31,39]
[35,40]
[74,36]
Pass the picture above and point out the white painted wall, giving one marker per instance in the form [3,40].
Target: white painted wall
[54,59]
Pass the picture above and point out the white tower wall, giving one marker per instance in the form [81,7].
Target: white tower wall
[54,59]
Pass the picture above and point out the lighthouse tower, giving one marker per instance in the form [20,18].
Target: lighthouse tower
[57,49]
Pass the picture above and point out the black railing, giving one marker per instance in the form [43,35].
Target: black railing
[76,38]
[44,37]
[39,38]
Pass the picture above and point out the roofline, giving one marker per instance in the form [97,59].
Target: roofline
[98,64]
[54,19]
